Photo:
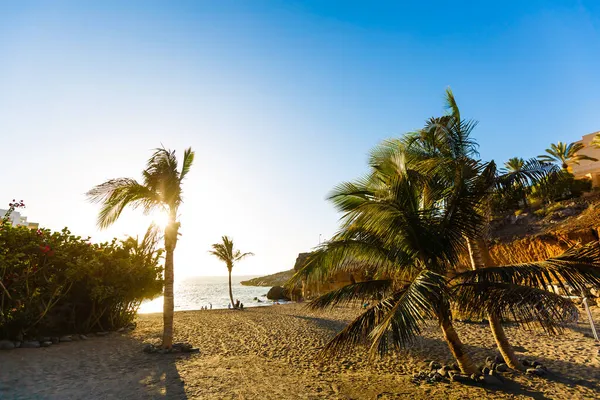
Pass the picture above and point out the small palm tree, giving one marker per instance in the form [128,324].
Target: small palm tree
[225,252]
[515,164]
[564,154]
[161,190]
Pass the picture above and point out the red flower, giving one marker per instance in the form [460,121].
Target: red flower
[45,249]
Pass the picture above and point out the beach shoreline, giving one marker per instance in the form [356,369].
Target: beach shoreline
[271,353]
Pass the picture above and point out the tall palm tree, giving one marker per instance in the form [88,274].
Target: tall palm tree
[449,153]
[225,252]
[160,190]
[563,154]
[450,156]
[404,230]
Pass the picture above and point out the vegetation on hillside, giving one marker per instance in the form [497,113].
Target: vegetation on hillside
[277,279]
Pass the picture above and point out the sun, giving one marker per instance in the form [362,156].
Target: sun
[160,219]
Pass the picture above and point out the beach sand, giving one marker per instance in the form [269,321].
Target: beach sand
[269,353]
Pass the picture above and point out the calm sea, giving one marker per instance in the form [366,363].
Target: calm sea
[195,292]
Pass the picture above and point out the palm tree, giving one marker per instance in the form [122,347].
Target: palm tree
[450,155]
[514,164]
[225,252]
[451,150]
[563,154]
[519,174]
[160,190]
[404,229]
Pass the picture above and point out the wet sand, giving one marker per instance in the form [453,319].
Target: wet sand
[269,353]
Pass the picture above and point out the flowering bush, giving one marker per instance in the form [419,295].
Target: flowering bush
[55,282]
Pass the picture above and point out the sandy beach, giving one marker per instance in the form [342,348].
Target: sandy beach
[269,353]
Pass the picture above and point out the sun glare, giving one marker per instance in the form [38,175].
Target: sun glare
[161,219]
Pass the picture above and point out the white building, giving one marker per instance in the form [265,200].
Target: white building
[17,219]
[586,168]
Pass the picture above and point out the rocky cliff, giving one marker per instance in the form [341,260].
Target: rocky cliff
[278,279]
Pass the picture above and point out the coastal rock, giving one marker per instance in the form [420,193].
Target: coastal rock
[83,337]
[6,345]
[149,348]
[46,343]
[66,338]
[501,367]
[460,378]
[54,340]
[434,365]
[32,344]
[101,333]
[277,293]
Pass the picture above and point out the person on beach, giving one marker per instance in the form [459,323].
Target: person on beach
[241,306]
[229,306]
[237,303]
[210,305]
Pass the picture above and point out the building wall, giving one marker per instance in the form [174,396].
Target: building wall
[17,219]
[588,169]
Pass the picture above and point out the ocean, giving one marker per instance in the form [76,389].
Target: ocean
[195,292]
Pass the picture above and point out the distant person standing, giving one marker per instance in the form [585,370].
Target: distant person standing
[210,305]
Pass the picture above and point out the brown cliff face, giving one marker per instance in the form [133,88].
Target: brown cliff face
[533,248]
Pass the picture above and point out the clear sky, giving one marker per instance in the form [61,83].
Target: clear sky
[281,100]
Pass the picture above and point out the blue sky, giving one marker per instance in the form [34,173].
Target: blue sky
[281,100]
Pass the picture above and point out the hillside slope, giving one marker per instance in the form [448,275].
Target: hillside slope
[277,279]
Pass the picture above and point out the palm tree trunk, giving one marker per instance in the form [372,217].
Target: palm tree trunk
[169,303]
[506,350]
[230,292]
[456,347]
[479,253]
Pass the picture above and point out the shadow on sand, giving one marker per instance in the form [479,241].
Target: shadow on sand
[112,367]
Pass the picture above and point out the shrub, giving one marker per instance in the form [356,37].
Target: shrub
[560,186]
[542,212]
[55,282]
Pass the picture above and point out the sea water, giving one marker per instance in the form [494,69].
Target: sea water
[196,292]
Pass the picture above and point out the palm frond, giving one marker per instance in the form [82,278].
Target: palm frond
[359,291]
[525,305]
[395,320]
[577,267]
[116,194]
[188,160]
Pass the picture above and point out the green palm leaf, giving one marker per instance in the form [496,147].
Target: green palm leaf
[523,304]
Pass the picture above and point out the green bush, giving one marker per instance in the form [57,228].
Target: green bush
[542,212]
[55,282]
[560,186]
